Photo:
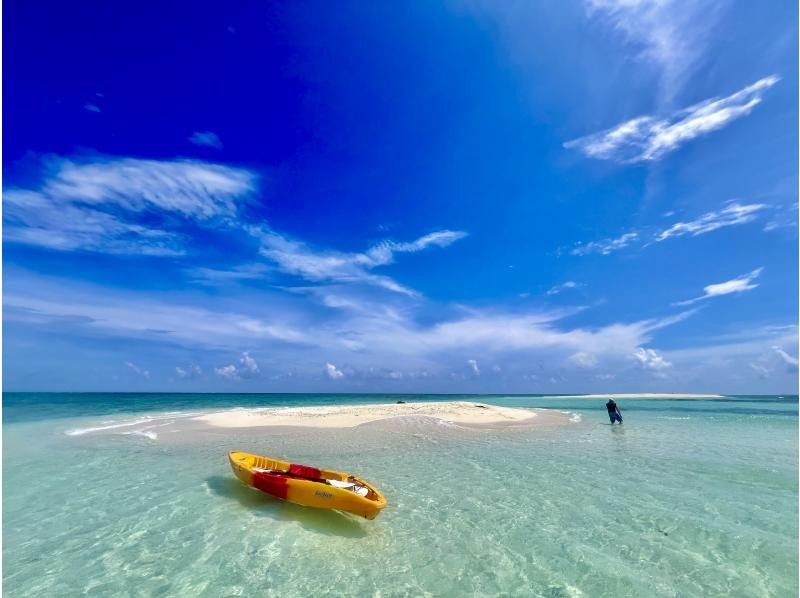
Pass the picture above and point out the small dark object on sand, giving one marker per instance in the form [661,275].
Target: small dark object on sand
[481,406]
[401,402]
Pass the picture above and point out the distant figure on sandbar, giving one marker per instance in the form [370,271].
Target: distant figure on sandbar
[614,414]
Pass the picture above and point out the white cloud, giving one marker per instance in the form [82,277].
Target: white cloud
[377,336]
[96,205]
[32,218]
[731,215]
[473,367]
[227,371]
[504,333]
[137,370]
[743,343]
[206,138]
[247,368]
[786,217]
[192,371]
[741,361]
[788,360]
[761,370]
[606,246]
[248,365]
[670,34]
[737,285]
[332,372]
[196,190]
[765,348]
[648,138]
[652,360]
[134,315]
[215,276]
[294,257]
[383,253]
[584,359]
[559,288]
[121,205]
[91,107]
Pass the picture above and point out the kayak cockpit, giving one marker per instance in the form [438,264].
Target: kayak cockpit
[351,484]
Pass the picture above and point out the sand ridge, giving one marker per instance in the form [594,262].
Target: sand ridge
[348,416]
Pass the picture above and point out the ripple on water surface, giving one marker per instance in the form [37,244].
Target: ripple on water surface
[684,507]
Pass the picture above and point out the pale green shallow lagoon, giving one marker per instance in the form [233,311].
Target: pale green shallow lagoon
[688,498]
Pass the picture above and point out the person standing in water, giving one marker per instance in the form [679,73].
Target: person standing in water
[614,414]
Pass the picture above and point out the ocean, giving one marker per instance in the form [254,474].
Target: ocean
[106,495]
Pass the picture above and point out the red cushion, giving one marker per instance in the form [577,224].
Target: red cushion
[271,484]
[304,471]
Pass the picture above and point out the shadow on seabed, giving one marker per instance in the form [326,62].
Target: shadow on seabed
[323,521]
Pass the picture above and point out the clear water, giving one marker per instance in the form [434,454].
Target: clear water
[688,498]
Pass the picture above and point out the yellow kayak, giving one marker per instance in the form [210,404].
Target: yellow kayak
[308,486]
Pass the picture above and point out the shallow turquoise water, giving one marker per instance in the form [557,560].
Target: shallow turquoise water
[688,498]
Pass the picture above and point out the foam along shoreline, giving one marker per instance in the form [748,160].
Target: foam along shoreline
[643,395]
[349,416]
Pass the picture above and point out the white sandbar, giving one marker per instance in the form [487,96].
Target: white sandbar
[348,416]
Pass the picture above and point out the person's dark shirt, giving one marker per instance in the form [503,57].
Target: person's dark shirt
[611,406]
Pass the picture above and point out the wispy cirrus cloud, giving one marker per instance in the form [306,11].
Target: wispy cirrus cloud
[135,315]
[566,286]
[731,215]
[158,208]
[206,138]
[785,217]
[775,360]
[649,138]
[212,276]
[670,34]
[34,218]
[138,370]
[297,258]
[383,253]
[196,190]
[121,205]
[738,354]
[584,359]
[790,362]
[606,246]
[736,285]
[368,338]
[511,332]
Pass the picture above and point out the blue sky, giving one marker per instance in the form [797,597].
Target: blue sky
[587,196]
